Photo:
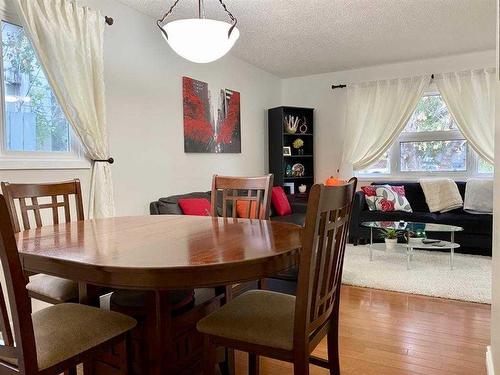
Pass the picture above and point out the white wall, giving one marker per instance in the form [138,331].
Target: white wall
[315,91]
[144,101]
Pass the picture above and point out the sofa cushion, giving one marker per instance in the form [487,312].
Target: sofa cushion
[297,218]
[195,206]
[425,217]
[477,224]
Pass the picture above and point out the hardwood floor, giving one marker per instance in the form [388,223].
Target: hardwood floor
[388,333]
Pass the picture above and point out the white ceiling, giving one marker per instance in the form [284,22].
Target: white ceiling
[301,37]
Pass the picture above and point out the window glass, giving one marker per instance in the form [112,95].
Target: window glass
[33,118]
[430,156]
[431,114]
[382,166]
[430,142]
[485,167]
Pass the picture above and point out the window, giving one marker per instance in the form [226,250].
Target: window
[431,143]
[34,127]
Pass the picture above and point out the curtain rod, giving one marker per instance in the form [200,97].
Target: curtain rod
[344,86]
[109,20]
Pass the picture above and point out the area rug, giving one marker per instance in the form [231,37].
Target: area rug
[430,273]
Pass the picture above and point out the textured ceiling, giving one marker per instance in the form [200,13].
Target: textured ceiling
[301,37]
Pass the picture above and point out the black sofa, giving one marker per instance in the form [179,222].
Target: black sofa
[476,237]
[170,206]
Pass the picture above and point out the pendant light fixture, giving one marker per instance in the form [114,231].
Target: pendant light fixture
[200,40]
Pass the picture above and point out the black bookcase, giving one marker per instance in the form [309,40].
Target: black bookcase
[281,165]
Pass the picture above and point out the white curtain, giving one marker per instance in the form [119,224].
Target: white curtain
[69,42]
[377,112]
[470,97]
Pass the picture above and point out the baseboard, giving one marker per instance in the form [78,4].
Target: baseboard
[490,370]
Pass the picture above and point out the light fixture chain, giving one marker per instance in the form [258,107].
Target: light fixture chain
[169,12]
[233,18]
[228,12]
[160,21]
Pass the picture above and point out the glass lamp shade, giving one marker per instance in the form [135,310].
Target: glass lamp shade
[200,40]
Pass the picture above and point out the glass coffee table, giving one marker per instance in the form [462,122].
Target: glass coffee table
[411,244]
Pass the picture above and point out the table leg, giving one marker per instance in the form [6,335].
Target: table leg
[371,244]
[88,294]
[452,250]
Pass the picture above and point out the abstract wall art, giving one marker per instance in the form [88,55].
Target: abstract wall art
[210,126]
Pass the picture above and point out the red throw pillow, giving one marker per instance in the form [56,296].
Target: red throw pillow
[195,206]
[280,201]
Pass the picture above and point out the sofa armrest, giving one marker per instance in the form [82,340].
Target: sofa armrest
[153,208]
[358,205]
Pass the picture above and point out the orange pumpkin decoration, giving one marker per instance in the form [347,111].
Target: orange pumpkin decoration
[334,181]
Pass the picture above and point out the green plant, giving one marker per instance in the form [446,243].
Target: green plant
[390,233]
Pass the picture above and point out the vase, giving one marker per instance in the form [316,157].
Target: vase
[390,243]
[302,188]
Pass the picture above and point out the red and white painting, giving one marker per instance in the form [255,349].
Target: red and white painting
[210,128]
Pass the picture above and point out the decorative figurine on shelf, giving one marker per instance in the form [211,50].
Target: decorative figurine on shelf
[334,181]
[302,188]
[303,127]
[298,170]
[291,124]
[288,171]
[298,144]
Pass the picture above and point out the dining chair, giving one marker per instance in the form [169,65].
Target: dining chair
[46,288]
[244,197]
[57,338]
[241,197]
[285,327]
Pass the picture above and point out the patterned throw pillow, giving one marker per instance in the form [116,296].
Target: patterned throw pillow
[386,198]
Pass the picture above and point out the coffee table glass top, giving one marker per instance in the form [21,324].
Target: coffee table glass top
[411,226]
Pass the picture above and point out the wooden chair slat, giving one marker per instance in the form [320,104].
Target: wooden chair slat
[249,205]
[4,322]
[24,213]
[55,211]
[67,209]
[235,204]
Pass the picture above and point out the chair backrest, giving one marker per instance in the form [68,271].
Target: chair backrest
[23,192]
[256,191]
[17,346]
[321,259]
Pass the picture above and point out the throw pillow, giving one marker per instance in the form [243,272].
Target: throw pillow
[242,207]
[386,198]
[280,201]
[195,206]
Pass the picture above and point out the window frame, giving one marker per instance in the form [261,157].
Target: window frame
[395,172]
[11,160]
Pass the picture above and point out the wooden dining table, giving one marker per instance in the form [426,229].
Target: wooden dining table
[160,253]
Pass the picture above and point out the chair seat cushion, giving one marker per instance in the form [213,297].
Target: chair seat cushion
[257,317]
[56,288]
[66,330]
